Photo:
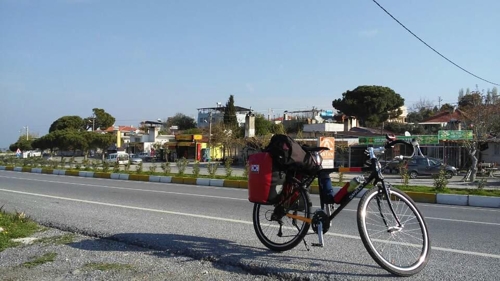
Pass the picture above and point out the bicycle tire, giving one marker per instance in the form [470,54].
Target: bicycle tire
[414,228]
[293,231]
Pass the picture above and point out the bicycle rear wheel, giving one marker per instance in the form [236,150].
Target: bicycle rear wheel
[275,229]
[403,251]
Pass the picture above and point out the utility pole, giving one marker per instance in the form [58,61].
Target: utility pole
[210,135]
[439,103]
[27,131]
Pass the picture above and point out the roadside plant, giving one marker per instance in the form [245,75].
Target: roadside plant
[196,169]
[54,164]
[86,164]
[152,168]
[212,169]
[440,180]
[166,168]
[78,166]
[245,171]
[71,162]
[227,166]
[181,165]
[138,168]
[482,183]
[126,167]
[405,177]
[95,166]
[341,176]
[105,166]
[116,167]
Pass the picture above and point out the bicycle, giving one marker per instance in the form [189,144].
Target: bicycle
[382,211]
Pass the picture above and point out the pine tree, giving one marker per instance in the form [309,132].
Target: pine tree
[230,113]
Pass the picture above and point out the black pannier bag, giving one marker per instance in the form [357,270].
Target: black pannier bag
[265,181]
[289,155]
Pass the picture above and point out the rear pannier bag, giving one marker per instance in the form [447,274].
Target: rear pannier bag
[265,182]
[289,155]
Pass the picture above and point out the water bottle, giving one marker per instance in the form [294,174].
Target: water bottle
[347,189]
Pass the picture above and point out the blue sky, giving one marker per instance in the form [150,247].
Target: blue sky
[143,60]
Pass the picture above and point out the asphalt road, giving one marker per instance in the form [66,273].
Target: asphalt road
[214,224]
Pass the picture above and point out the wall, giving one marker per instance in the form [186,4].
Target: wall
[492,154]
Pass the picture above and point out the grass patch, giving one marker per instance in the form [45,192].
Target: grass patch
[16,225]
[107,266]
[36,261]
[58,240]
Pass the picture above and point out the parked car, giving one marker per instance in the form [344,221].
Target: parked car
[421,165]
[391,166]
[135,159]
[120,157]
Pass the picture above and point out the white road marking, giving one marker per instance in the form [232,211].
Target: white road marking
[486,255]
[222,197]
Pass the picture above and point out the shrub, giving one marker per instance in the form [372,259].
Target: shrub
[127,167]
[105,166]
[440,180]
[227,165]
[482,183]
[166,168]
[245,171]
[405,177]
[152,168]
[212,169]
[196,169]
[116,167]
[138,168]
[181,165]
[95,166]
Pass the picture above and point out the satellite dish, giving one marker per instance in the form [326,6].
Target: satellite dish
[407,134]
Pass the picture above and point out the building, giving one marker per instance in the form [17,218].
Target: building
[214,115]
[453,120]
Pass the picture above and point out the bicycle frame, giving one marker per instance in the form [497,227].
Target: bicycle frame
[376,176]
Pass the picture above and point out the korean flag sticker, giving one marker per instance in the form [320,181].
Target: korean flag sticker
[254,168]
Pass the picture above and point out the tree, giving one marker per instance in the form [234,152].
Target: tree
[182,121]
[420,111]
[470,100]
[22,143]
[193,131]
[223,134]
[374,104]
[100,120]
[103,141]
[262,125]
[67,122]
[460,94]
[483,119]
[230,113]
[447,107]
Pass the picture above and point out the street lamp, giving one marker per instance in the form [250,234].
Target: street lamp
[27,130]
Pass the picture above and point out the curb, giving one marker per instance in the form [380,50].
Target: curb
[435,198]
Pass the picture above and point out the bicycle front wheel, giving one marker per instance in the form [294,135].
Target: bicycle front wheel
[278,227]
[402,249]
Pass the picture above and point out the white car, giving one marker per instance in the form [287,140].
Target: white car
[134,159]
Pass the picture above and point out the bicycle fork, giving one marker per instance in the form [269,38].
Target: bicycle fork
[385,191]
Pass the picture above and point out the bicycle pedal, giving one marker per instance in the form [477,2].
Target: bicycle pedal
[317,245]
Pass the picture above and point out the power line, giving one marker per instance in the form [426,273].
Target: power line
[431,47]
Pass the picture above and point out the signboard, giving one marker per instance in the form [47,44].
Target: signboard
[184,137]
[328,155]
[422,139]
[18,153]
[455,135]
[197,137]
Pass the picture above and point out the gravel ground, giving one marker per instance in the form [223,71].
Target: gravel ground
[78,257]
